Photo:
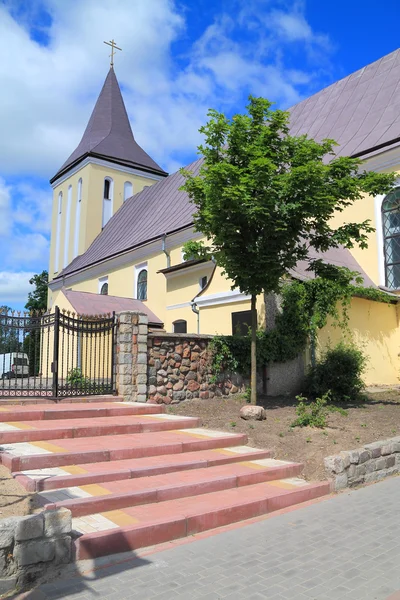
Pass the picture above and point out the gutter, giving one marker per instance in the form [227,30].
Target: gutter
[164,237]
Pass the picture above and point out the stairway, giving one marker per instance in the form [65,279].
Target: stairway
[133,476]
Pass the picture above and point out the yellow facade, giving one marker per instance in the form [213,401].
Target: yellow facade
[92,177]
[374,327]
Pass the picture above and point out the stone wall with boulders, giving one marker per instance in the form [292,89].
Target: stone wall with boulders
[33,547]
[370,463]
[179,368]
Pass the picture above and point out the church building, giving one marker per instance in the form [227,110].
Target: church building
[119,221]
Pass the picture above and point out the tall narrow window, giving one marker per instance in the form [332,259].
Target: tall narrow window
[128,190]
[107,200]
[67,232]
[58,233]
[142,285]
[391,237]
[78,218]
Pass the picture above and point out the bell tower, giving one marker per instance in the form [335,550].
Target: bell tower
[107,167]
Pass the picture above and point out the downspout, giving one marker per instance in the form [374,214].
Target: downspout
[193,304]
[165,252]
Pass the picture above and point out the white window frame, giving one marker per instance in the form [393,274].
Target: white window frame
[58,233]
[109,207]
[78,217]
[102,281]
[128,185]
[379,235]
[138,268]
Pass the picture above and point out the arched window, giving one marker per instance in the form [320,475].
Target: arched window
[142,285]
[128,190]
[107,200]
[58,233]
[104,289]
[180,326]
[391,237]
[78,218]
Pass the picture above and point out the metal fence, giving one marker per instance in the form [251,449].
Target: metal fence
[59,354]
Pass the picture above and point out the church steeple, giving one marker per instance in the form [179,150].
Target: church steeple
[109,136]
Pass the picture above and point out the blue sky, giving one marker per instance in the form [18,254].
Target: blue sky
[179,59]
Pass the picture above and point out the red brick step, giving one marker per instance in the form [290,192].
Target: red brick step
[77,411]
[133,468]
[95,426]
[114,495]
[175,519]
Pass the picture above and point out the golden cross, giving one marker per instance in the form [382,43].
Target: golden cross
[113,47]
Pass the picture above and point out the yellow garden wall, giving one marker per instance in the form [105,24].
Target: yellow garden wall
[375,329]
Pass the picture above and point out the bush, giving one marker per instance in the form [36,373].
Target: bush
[338,373]
[311,413]
[75,378]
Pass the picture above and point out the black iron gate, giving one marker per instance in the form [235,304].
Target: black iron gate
[56,355]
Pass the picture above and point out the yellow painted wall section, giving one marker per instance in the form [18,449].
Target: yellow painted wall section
[362,210]
[375,329]
[91,210]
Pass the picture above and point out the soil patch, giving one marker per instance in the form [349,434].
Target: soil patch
[377,418]
[15,501]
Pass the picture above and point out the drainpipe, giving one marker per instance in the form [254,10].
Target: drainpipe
[197,312]
[165,252]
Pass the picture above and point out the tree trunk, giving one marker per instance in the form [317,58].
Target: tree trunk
[253,380]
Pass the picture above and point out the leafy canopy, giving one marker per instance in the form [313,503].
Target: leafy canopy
[37,299]
[265,198]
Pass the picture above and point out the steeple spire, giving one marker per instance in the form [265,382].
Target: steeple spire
[109,136]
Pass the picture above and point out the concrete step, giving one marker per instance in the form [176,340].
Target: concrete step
[153,524]
[40,412]
[84,474]
[113,495]
[56,453]
[34,431]
[33,400]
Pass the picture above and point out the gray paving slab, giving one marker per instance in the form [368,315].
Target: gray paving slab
[346,547]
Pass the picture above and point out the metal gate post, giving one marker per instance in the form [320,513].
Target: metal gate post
[113,342]
[54,364]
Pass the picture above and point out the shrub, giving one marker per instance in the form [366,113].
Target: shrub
[75,378]
[311,413]
[338,372]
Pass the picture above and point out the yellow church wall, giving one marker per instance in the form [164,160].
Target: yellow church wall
[374,328]
[362,210]
[91,214]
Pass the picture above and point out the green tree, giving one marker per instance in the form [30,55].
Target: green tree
[36,305]
[37,299]
[264,198]
[9,338]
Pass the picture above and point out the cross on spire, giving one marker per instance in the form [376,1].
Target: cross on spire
[113,48]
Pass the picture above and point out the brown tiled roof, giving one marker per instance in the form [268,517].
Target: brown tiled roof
[361,112]
[108,134]
[86,303]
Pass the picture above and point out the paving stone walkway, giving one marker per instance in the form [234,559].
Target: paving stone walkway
[345,547]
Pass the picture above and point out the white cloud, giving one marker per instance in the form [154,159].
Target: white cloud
[5,207]
[14,287]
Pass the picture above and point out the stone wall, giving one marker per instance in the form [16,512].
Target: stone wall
[32,547]
[179,369]
[131,356]
[370,463]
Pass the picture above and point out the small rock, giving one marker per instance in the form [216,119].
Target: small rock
[255,413]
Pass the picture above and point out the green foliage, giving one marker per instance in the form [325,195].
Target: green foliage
[312,414]
[37,299]
[9,339]
[247,395]
[223,359]
[339,372]
[194,250]
[265,198]
[75,378]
